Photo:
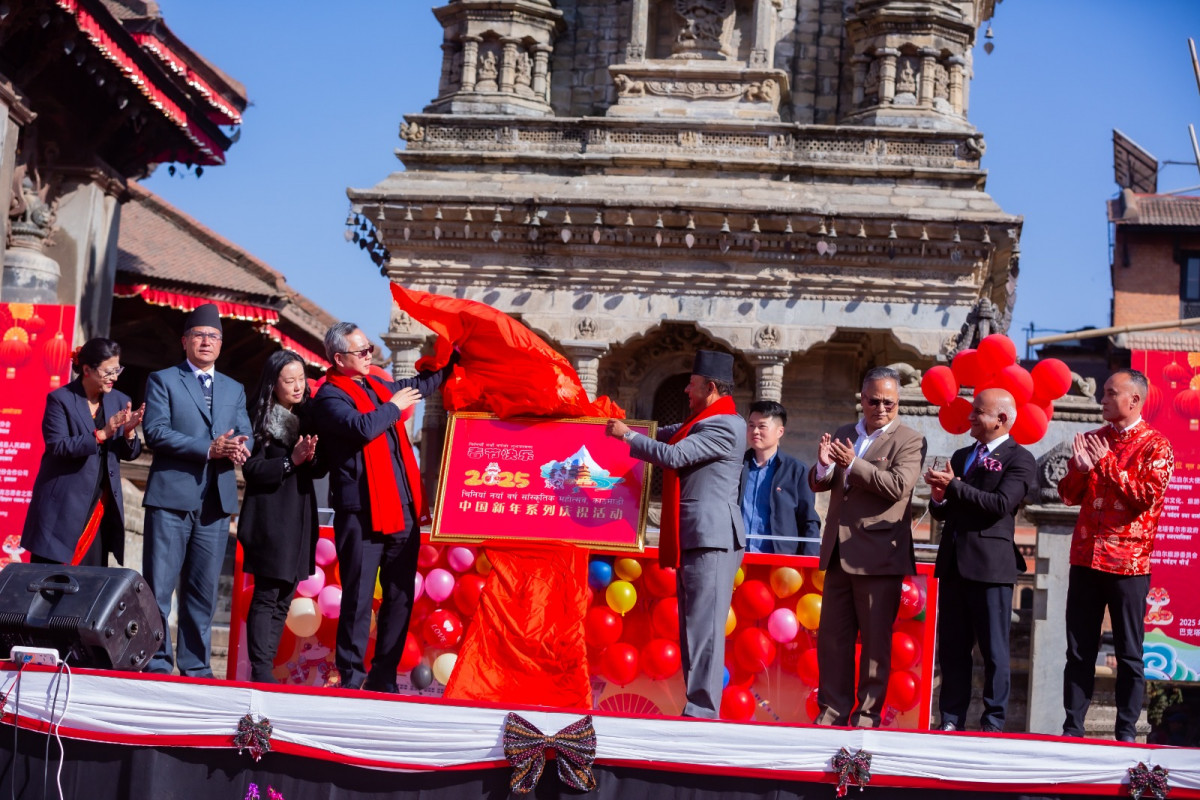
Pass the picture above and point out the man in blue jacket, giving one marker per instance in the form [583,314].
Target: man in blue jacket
[774,494]
[196,424]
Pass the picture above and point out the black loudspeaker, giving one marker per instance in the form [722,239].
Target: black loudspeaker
[99,617]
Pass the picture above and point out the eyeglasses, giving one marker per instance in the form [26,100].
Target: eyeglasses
[110,373]
[877,402]
[206,337]
[366,351]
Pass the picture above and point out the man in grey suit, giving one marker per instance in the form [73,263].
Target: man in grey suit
[701,534]
[196,424]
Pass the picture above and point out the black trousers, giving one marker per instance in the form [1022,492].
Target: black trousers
[1089,593]
[971,612]
[264,624]
[361,552]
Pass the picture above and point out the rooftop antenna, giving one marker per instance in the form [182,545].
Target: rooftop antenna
[1191,127]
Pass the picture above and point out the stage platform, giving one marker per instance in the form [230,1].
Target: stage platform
[143,736]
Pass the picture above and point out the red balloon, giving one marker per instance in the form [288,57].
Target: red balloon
[638,628]
[902,691]
[1051,380]
[737,704]
[601,627]
[619,664]
[1047,409]
[996,352]
[906,652]
[912,602]
[411,655]
[753,650]
[658,581]
[467,591]
[666,618]
[954,416]
[1017,381]
[427,556]
[442,628]
[807,668]
[1154,401]
[966,368]
[939,385]
[660,659]
[753,600]
[1031,424]
[421,609]
[812,706]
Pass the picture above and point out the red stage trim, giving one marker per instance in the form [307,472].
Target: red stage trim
[189,302]
[288,343]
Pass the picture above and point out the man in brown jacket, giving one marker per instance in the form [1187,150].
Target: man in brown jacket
[870,469]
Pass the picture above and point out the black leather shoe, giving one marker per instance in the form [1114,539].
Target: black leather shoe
[948,726]
[988,727]
[1126,738]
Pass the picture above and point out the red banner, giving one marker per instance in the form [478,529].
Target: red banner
[560,480]
[35,353]
[1172,648]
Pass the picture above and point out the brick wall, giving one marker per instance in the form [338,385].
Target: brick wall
[1147,290]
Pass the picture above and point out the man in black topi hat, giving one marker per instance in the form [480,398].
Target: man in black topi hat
[197,425]
[701,533]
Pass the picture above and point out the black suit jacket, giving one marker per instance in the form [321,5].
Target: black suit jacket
[979,515]
[793,506]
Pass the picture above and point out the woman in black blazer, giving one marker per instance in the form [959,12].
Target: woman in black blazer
[278,524]
[76,513]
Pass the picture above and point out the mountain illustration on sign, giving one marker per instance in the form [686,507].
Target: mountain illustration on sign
[578,471]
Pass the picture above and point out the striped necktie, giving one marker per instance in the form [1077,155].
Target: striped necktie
[206,388]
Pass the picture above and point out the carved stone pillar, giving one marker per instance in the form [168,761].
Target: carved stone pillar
[928,56]
[406,351]
[508,65]
[449,53]
[762,49]
[955,88]
[887,74]
[639,26]
[470,62]
[585,357]
[1048,642]
[433,434]
[541,71]
[768,373]
[860,62]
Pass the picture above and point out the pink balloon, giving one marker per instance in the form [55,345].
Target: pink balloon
[312,585]
[460,559]
[418,587]
[439,584]
[326,552]
[329,602]
[783,625]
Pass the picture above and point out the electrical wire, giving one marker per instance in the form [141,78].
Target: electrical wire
[57,727]
[16,726]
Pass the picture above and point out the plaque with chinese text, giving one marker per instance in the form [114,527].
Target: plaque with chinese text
[541,480]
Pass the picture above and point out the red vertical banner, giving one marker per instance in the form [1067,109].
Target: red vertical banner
[35,359]
[1172,649]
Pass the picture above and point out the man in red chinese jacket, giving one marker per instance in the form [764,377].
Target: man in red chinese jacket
[1118,476]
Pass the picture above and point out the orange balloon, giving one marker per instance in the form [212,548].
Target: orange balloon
[785,581]
[808,611]
[817,578]
[730,622]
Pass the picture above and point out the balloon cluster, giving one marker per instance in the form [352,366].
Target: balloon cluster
[993,365]
[632,629]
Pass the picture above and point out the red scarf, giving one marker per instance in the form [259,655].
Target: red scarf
[668,530]
[387,512]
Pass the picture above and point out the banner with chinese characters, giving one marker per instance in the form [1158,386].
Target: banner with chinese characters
[1172,648]
[35,355]
[548,480]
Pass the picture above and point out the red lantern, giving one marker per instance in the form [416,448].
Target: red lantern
[55,356]
[660,659]
[1051,380]
[33,325]
[753,650]
[1187,404]
[1175,374]
[753,600]
[954,416]
[601,627]
[1017,381]
[1031,424]
[939,385]
[14,351]
[996,352]
[967,369]
[619,664]
[1154,399]
[737,704]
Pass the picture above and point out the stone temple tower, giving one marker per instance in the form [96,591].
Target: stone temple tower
[794,181]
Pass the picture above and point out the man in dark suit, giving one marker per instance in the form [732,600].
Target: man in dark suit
[870,470]
[976,499]
[196,424]
[774,494]
[701,535]
[376,492]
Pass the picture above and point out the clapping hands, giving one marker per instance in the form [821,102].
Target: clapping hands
[304,450]
[125,418]
[1086,450]
[229,446]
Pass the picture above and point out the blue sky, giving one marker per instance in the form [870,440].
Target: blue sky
[329,85]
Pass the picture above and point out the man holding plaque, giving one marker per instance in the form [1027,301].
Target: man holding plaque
[701,535]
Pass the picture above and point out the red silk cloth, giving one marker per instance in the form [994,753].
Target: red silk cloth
[668,531]
[90,529]
[526,645]
[387,510]
[505,368]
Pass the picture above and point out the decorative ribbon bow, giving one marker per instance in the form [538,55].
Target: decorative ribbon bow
[1143,779]
[574,749]
[253,736]
[854,769]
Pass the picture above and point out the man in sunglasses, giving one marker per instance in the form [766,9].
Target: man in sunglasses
[375,490]
[196,424]
[870,469]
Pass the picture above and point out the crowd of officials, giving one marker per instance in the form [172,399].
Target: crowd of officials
[727,488]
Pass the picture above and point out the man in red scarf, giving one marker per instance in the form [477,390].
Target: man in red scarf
[701,534]
[1118,477]
[375,490]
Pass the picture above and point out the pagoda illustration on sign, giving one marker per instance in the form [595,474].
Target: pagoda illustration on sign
[576,472]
